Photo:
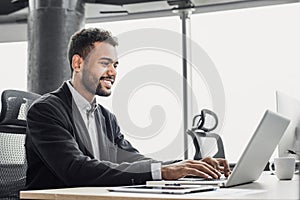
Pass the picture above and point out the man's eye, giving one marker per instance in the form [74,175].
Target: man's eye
[105,64]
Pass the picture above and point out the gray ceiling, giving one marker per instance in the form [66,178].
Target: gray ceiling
[13,13]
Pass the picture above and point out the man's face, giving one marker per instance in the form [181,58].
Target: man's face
[99,69]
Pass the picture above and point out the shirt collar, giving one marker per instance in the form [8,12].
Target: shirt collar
[80,101]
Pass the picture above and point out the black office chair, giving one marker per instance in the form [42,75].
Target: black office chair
[200,132]
[198,137]
[15,105]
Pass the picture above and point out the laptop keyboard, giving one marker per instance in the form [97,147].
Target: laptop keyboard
[215,179]
[197,178]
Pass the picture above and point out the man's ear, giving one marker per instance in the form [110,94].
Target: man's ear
[77,61]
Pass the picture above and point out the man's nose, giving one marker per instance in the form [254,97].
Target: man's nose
[111,70]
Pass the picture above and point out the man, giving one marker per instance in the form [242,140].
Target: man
[74,141]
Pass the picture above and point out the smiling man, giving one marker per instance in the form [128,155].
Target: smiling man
[74,141]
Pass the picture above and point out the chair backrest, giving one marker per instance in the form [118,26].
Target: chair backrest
[12,164]
[198,136]
[15,105]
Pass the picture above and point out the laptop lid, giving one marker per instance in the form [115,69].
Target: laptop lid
[259,149]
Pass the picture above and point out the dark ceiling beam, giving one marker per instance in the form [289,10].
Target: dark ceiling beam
[10,6]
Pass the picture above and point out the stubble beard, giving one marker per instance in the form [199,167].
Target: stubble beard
[100,91]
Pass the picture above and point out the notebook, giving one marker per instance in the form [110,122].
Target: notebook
[173,189]
[254,158]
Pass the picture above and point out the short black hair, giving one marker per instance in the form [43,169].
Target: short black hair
[82,42]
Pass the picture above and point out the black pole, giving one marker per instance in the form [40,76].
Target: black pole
[50,25]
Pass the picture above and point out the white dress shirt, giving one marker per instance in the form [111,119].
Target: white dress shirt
[87,113]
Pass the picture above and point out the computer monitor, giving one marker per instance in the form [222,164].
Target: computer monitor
[290,108]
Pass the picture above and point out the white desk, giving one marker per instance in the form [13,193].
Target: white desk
[267,187]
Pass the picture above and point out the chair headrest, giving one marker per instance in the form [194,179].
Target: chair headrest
[15,104]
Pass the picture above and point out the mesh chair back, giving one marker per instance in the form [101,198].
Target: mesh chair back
[12,164]
[15,105]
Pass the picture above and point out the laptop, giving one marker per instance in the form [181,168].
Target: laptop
[254,158]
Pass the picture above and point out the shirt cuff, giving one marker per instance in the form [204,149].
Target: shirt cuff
[156,171]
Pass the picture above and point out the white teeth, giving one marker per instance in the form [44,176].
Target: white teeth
[107,82]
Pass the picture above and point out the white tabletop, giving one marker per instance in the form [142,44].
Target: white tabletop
[266,187]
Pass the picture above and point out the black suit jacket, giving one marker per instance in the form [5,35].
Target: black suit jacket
[58,149]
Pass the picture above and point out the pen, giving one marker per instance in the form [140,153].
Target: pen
[292,152]
[172,184]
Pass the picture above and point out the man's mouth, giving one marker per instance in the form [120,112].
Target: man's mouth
[108,80]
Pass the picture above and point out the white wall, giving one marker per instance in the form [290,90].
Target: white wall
[13,65]
[255,51]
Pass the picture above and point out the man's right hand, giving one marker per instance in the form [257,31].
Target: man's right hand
[201,168]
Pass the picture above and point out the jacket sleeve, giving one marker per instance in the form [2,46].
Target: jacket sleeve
[50,131]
